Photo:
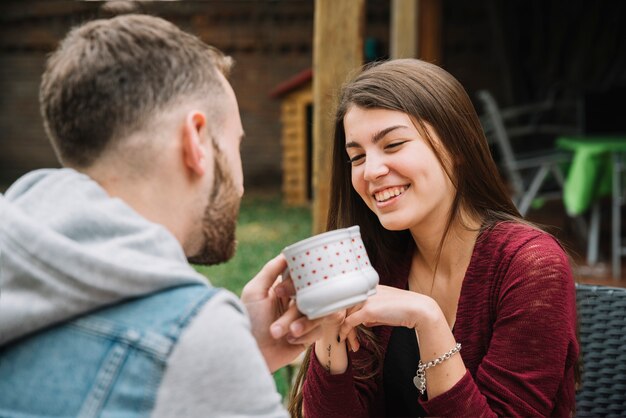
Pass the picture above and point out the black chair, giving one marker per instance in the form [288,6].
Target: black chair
[618,247]
[602,327]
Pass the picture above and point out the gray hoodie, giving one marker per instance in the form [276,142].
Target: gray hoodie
[67,248]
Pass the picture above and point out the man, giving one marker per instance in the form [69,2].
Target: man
[100,312]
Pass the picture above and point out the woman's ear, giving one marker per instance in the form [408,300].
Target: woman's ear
[194,133]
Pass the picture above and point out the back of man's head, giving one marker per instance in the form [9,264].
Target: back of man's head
[109,78]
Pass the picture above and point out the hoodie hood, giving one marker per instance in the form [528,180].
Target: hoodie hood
[67,248]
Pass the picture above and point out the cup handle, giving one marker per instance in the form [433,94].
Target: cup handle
[286,276]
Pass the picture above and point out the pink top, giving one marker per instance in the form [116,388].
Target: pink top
[516,321]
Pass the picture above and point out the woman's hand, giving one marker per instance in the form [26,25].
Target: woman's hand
[393,307]
[403,308]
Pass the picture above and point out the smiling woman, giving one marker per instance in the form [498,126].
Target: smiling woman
[465,282]
[395,168]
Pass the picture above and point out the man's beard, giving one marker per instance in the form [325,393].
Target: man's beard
[220,218]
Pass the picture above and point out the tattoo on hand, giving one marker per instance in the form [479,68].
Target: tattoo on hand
[328,363]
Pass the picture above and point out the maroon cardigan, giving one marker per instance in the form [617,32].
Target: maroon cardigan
[516,321]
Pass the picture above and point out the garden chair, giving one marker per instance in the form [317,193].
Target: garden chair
[618,247]
[602,337]
[528,173]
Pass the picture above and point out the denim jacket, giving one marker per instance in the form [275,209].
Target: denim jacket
[108,363]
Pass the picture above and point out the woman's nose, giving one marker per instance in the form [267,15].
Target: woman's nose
[375,167]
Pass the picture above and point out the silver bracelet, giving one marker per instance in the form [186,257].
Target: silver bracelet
[420,379]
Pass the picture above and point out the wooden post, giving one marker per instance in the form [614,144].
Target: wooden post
[430,28]
[337,52]
[403,36]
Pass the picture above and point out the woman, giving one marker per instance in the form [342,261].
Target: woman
[485,300]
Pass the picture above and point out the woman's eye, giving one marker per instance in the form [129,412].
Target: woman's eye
[394,145]
[357,159]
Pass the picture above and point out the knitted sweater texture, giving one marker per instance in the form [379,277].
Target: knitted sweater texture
[516,321]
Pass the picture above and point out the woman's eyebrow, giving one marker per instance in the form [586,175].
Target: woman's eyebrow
[377,136]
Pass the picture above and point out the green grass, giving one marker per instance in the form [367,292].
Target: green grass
[264,228]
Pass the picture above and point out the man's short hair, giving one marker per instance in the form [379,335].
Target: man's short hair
[109,76]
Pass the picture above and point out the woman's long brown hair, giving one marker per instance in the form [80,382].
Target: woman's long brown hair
[429,95]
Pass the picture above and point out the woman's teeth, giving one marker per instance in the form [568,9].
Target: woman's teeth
[389,193]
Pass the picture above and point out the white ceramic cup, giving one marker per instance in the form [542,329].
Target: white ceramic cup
[330,272]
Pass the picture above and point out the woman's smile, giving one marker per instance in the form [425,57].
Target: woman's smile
[387,194]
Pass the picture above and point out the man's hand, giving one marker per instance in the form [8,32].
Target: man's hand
[281,331]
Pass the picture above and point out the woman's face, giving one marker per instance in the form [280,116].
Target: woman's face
[395,171]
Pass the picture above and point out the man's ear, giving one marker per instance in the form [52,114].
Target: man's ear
[194,133]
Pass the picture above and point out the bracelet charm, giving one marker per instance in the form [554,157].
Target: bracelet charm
[420,379]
